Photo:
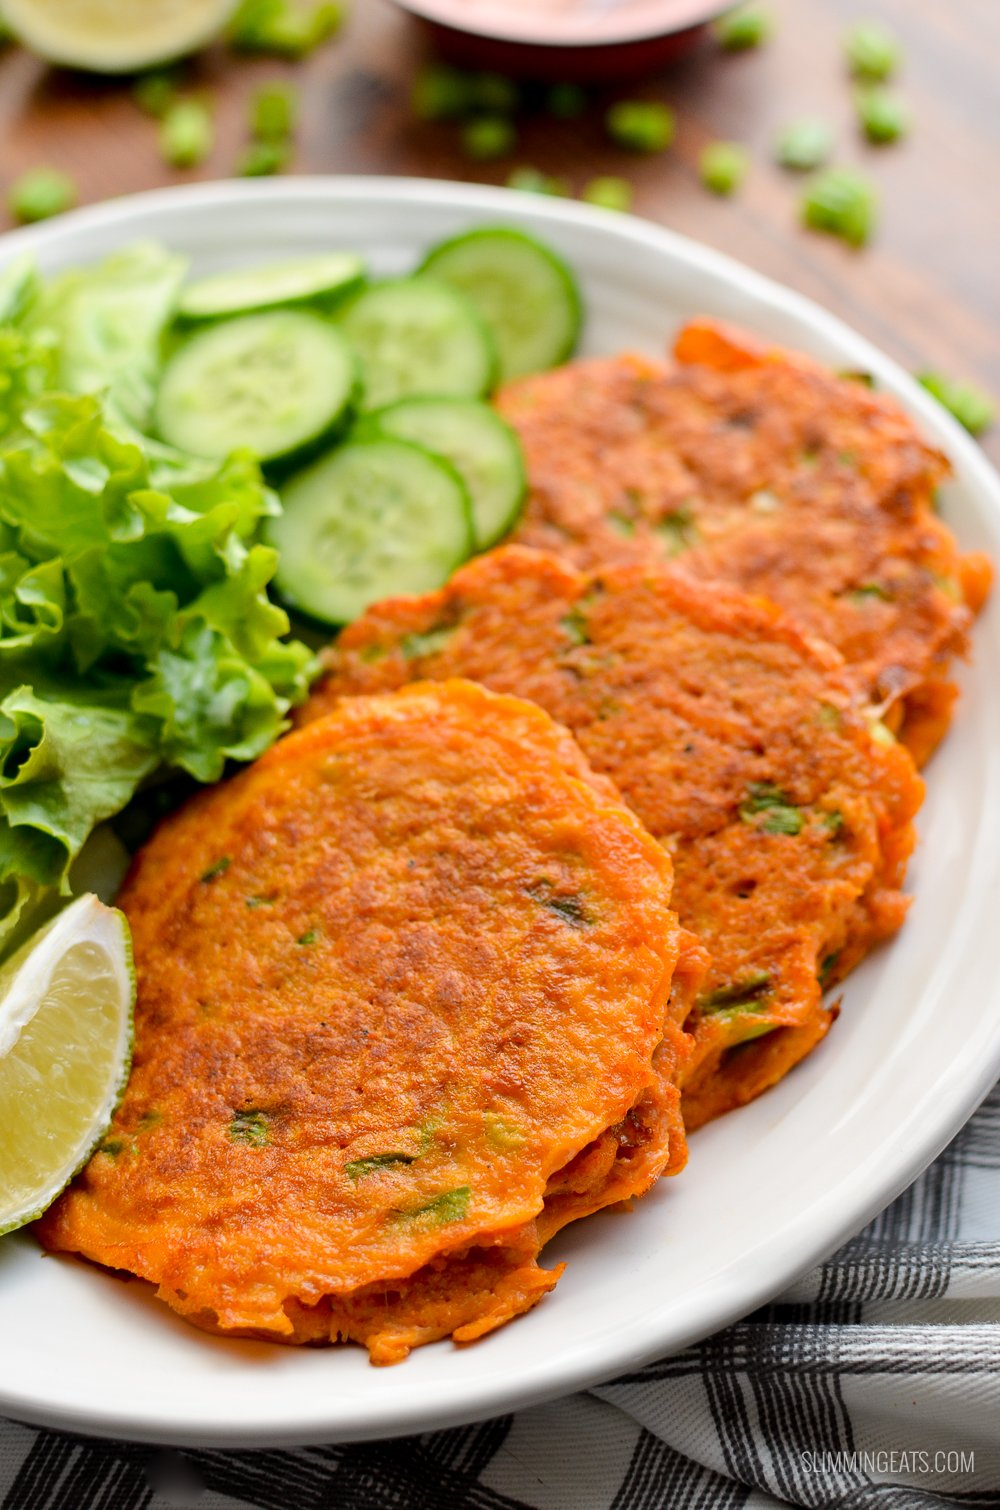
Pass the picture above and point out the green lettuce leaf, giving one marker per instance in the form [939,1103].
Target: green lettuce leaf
[108,321]
[136,632]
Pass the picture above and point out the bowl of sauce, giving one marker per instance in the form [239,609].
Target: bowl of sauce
[580,40]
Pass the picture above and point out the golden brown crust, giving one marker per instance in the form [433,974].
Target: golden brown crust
[733,737]
[393,980]
[760,468]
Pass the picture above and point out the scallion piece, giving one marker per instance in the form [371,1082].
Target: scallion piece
[641,125]
[842,203]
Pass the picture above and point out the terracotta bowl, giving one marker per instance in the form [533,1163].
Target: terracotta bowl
[581,40]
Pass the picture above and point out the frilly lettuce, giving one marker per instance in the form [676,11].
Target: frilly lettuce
[136,633]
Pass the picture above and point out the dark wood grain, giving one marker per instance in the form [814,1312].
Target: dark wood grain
[926,290]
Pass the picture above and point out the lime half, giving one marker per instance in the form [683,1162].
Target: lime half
[66,1002]
[115,36]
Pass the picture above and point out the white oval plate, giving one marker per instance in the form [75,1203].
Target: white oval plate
[769,1190]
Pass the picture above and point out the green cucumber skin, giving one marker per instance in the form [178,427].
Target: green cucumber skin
[284,578]
[322,300]
[491,360]
[500,235]
[379,422]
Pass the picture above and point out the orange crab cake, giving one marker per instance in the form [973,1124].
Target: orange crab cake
[763,469]
[736,741]
[403,1010]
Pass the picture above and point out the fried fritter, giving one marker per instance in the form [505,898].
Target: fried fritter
[734,738]
[763,469]
[403,1011]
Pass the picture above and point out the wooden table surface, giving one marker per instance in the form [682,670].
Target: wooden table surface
[927,289]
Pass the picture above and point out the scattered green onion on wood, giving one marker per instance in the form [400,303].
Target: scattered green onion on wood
[872,50]
[486,137]
[641,125]
[970,405]
[566,101]
[155,92]
[722,166]
[739,30]
[609,193]
[262,159]
[882,115]
[440,94]
[804,144]
[534,181]
[274,112]
[186,134]
[41,193]
[493,93]
[842,203]
[285,28]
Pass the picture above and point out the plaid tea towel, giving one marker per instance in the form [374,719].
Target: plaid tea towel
[873,1384]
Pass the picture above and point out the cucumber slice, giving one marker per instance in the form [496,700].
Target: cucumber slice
[416,335]
[482,448]
[372,519]
[247,290]
[270,383]
[525,293]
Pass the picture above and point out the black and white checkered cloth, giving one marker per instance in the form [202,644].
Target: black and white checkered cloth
[873,1384]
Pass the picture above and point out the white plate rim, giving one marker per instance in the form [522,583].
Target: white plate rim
[549,37]
[964,1082]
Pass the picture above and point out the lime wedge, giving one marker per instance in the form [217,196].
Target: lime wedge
[115,36]
[66,1000]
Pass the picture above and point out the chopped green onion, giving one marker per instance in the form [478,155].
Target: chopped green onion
[493,93]
[677,530]
[570,909]
[249,1127]
[738,993]
[359,1169]
[609,193]
[880,733]
[641,125]
[566,101]
[501,1135]
[739,30]
[884,118]
[186,134]
[804,144]
[970,405]
[722,166]
[452,1206]
[440,94]
[780,815]
[261,159]
[842,203]
[416,645]
[574,625]
[286,28]
[155,92]
[870,590]
[41,193]
[274,112]
[488,137]
[218,868]
[534,181]
[873,51]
